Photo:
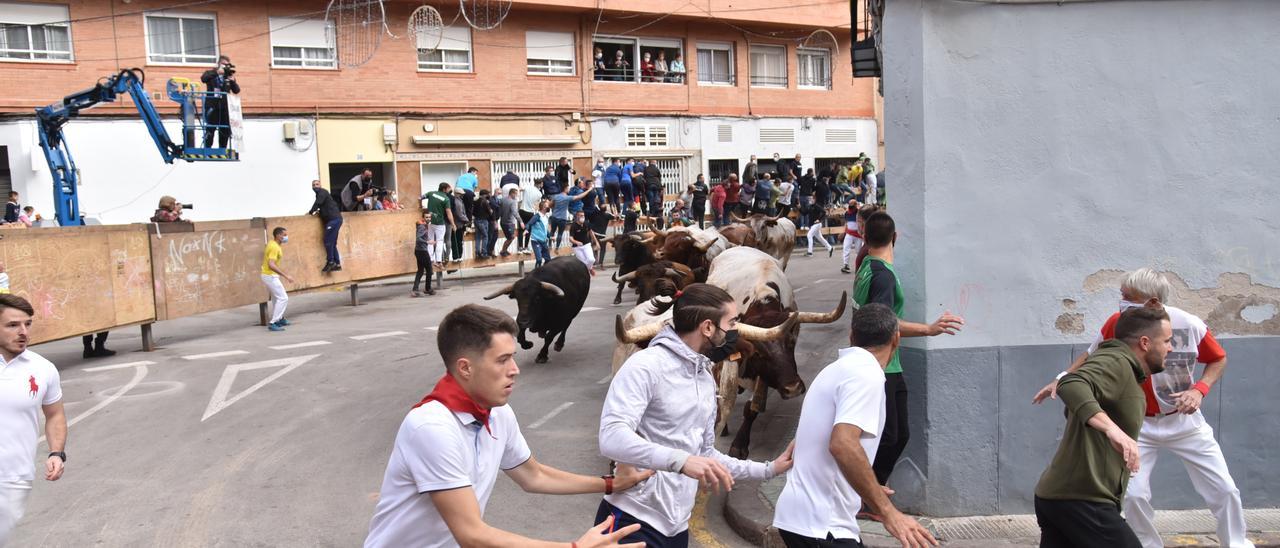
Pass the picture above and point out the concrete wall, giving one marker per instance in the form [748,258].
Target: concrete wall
[1039,151]
[123,176]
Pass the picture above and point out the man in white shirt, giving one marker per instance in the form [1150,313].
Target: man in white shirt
[660,414]
[28,383]
[530,197]
[839,432]
[451,445]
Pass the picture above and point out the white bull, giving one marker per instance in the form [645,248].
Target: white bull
[776,236]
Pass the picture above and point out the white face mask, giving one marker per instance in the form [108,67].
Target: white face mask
[1125,305]
[284,240]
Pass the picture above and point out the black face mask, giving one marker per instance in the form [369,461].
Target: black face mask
[725,349]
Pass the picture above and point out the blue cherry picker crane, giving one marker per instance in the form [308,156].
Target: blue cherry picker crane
[128,81]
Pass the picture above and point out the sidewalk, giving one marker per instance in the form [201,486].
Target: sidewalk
[749,510]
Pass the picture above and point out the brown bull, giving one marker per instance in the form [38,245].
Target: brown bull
[657,278]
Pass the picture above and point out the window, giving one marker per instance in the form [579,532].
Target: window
[715,64]
[549,53]
[624,60]
[769,66]
[719,170]
[452,51]
[647,136]
[305,43]
[188,38]
[814,67]
[34,32]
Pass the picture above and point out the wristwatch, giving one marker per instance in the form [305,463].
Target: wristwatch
[60,454]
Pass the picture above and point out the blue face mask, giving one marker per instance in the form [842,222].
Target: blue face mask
[284,240]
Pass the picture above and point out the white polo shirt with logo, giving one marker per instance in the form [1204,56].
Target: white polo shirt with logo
[817,500]
[436,450]
[26,383]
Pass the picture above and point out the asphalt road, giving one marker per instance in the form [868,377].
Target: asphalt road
[229,435]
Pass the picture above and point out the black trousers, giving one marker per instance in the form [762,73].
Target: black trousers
[699,212]
[101,341]
[896,428]
[424,268]
[647,534]
[1082,524]
[525,217]
[216,114]
[793,540]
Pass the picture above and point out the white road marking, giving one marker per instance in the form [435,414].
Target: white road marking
[378,335]
[215,355]
[550,415]
[219,401]
[799,289]
[432,328]
[139,372]
[605,380]
[114,366]
[590,308]
[299,345]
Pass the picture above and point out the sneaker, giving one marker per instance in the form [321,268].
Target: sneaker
[284,322]
[415,293]
[103,353]
[327,267]
[844,269]
[336,267]
[274,327]
[808,254]
[430,291]
[506,254]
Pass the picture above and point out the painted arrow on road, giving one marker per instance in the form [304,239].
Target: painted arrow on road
[220,401]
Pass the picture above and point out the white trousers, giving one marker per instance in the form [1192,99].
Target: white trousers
[1190,438]
[13,504]
[851,247]
[584,254]
[279,297]
[437,235]
[815,232]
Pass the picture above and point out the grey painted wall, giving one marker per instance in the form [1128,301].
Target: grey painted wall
[1037,153]
[979,446]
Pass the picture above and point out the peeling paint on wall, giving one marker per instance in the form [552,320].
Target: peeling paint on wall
[1070,322]
[1237,306]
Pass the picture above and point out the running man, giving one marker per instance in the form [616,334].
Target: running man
[1173,419]
[452,444]
[271,274]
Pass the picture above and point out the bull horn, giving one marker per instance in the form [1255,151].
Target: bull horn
[552,288]
[737,218]
[775,219]
[818,317]
[636,334]
[647,240]
[762,334]
[636,237]
[624,278]
[703,248]
[501,292]
[672,273]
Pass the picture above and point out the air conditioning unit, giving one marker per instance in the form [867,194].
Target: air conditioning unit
[389,133]
[290,131]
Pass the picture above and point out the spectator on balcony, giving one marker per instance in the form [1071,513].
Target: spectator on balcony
[660,68]
[621,68]
[676,74]
[600,67]
[647,68]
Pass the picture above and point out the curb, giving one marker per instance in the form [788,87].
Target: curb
[751,517]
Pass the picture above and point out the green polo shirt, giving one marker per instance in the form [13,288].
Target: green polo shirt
[877,282]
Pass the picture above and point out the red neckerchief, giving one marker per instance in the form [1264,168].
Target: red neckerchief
[450,394]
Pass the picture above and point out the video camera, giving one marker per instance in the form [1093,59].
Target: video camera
[228,69]
[187,206]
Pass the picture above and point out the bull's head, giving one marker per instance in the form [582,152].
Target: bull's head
[531,296]
[632,250]
[775,360]
[654,279]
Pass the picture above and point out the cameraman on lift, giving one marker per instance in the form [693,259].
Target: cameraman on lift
[221,78]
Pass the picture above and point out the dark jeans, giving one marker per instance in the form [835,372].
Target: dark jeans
[699,212]
[628,193]
[525,217]
[424,268]
[557,230]
[654,197]
[612,190]
[215,114]
[896,429]
[469,201]
[455,242]
[331,241]
[1082,524]
[793,540]
[784,210]
[483,227]
[647,534]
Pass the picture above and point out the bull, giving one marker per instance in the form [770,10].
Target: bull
[631,251]
[549,298]
[688,246]
[774,235]
[763,293]
[657,278]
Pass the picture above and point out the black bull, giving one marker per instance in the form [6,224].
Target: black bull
[549,298]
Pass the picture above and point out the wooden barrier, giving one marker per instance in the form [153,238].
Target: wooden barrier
[81,280]
[203,267]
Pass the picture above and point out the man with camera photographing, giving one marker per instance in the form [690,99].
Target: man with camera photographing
[221,78]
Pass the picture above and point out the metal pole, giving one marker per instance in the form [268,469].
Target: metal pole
[148,341]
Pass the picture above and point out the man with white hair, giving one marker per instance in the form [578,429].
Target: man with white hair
[1173,419]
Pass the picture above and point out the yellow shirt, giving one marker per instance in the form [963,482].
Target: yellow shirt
[272,253]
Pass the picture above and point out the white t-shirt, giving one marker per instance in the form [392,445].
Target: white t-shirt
[1180,363]
[817,499]
[26,383]
[437,450]
[787,189]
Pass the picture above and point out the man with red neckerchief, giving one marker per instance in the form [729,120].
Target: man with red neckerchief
[451,445]
[1173,419]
